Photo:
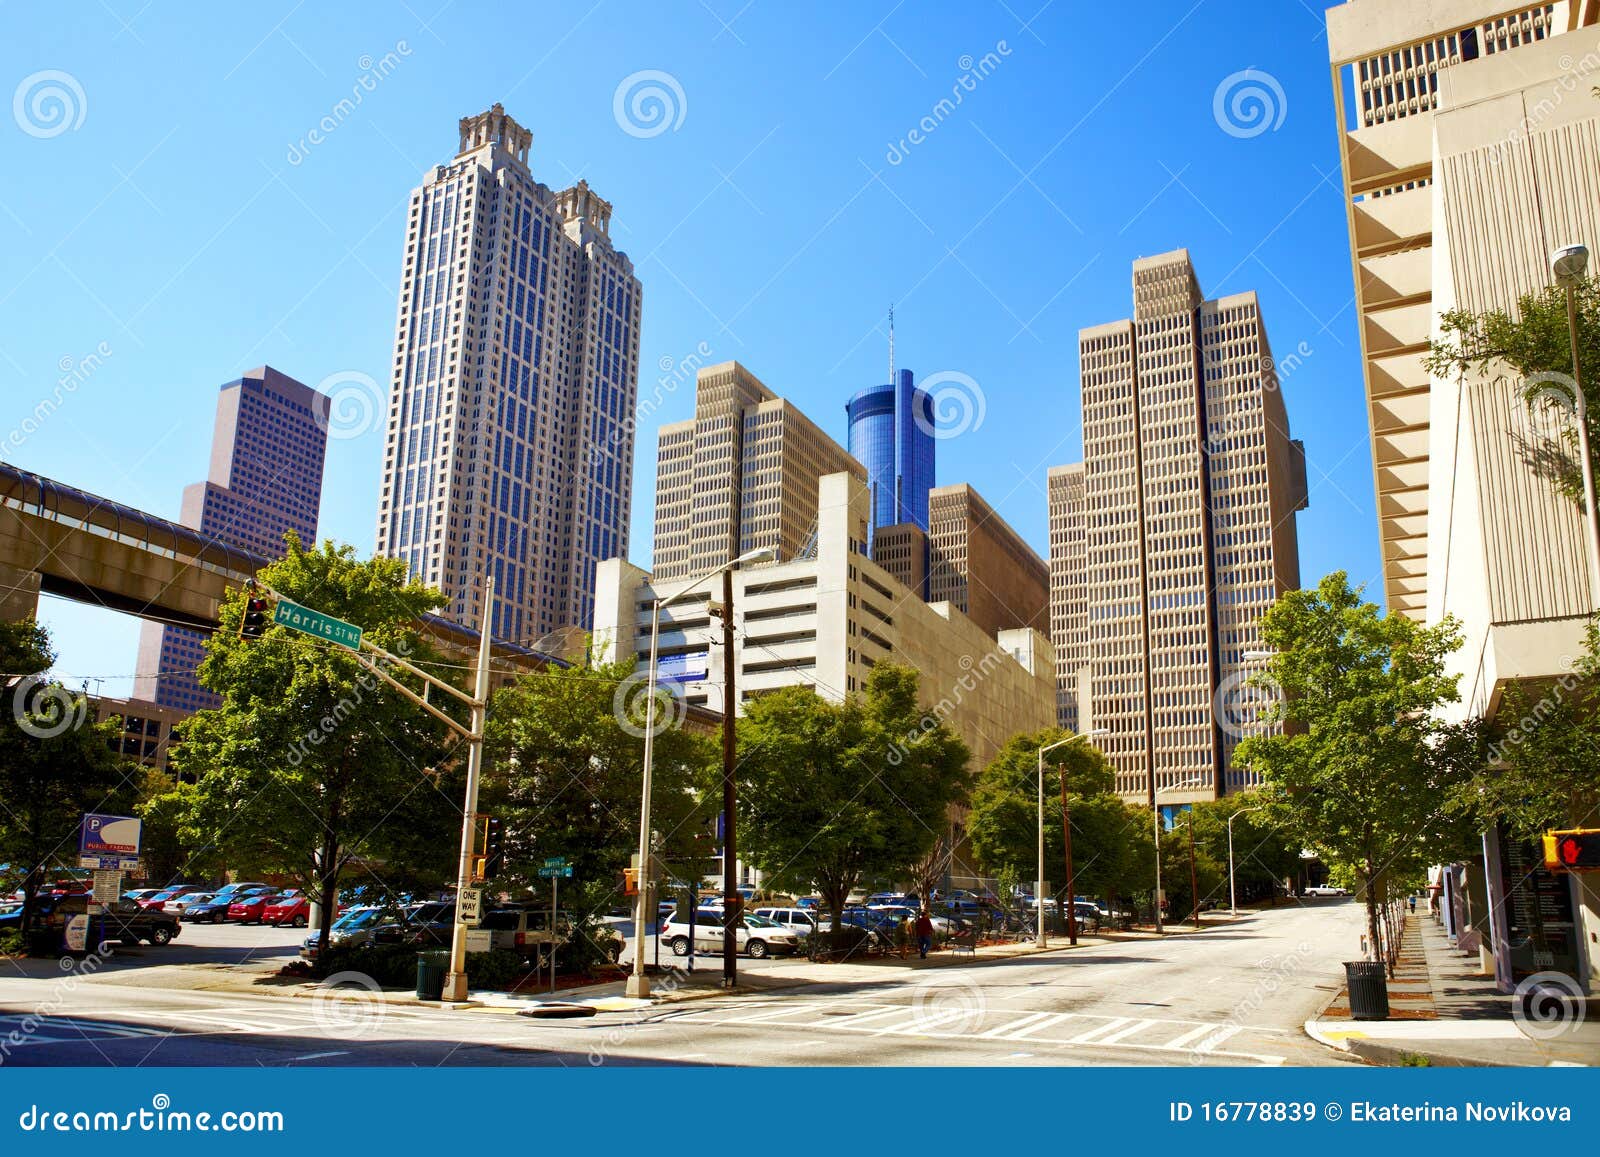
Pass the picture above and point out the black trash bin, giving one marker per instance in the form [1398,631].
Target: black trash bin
[431,967]
[1368,983]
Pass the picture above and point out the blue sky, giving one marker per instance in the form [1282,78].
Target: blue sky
[179,215]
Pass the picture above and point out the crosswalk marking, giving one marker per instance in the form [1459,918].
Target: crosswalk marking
[1098,1030]
[1211,1042]
[1136,1026]
[1002,1030]
[1050,1021]
[1191,1036]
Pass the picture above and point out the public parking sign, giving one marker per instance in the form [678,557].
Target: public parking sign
[110,836]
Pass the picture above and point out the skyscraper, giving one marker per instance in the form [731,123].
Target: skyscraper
[740,475]
[891,434]
[981,566]
[1069,587]
[516,368]
[265,480]
[1190,486]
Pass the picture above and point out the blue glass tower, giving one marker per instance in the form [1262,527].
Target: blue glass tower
[891,434]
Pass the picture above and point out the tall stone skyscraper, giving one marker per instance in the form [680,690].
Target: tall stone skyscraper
[265,479]
[1189,490]
[516,369]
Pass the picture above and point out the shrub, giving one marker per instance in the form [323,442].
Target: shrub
[10,943]
[395,965]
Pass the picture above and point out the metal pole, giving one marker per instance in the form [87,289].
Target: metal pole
[1587,462]
[1066,835]
[554,881]
[1155,823]
[1038,886]
[455,982]
[1233,894]
[1194,885]
[638,986]
[732,914]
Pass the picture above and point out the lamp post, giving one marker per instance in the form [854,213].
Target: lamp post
[1568,265]
[1066,842]
[638,984]
[1233,895]
[1038,886]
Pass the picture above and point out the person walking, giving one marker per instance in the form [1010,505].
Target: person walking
[924,931]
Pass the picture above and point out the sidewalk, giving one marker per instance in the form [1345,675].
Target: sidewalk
[1444,1011]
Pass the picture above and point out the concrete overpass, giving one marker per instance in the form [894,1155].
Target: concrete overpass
[60,540]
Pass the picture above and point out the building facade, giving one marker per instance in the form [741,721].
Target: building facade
[1190,484]
[509,447]
[149,731]
[740,475]
[1469,152]
[981,566]
[824,620]
[1069,588]
[265,480]
[891,434]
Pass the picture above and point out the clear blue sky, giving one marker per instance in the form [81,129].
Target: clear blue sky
[169,220]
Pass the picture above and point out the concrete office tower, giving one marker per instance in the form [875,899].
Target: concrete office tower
[824,620]
[265,479]
[1470,151]
[741,474]
[891,434]
[516,368]
[982,567]
[1190,485]
[1069,588]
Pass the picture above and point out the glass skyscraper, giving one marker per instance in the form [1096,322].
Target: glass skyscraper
[516,371]
[891,434]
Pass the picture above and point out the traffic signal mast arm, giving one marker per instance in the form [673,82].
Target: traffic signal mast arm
[370,655]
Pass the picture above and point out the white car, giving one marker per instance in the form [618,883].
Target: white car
[1326,890]
[757,936]
[178,906]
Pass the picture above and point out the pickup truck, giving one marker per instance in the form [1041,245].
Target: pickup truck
[1326,890]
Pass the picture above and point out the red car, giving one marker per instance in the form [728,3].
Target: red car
[248,909]
[291,908]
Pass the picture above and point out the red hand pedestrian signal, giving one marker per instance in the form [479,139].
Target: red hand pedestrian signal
[1572,851]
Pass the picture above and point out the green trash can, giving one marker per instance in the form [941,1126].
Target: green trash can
[431,969]
[1368,985]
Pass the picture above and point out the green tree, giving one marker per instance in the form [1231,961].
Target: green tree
[1265,851]
[166,807]
[834,793]
[564,761]
[56,763]
[1533,342]
[1210,873]
[1356,774]
[312,764]
[1003,824]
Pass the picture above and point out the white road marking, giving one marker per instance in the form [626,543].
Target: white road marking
[1050,1021]
[1211,1042]
[1002,1030]
[1099,1030]
[320,1056]
[1136,1026]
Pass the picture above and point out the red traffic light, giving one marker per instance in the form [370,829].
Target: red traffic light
[1572,851]
[254,623]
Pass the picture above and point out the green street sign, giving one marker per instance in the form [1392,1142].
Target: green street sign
[556,862]
[556,873]
[316,624]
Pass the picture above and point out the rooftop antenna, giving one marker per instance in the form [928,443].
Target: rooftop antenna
[891,343]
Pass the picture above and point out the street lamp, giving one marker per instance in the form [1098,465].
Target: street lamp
[1568,265]
[1233,896]
[638,984]
[1038,887]
[1155,824]
[1066,844]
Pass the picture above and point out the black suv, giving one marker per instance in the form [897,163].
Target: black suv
[122,920]
[428,925]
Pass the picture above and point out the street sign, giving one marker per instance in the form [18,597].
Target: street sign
[556,862]
[107,887]
[102,835]
[317,624]
[690,668]
[109,863]
[469,905]
[479,940]
[561,873]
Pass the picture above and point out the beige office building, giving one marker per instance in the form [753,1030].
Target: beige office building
[1190,483]
[740,475]
[1069,588]
[1470,151]
[823,621]
[981,566]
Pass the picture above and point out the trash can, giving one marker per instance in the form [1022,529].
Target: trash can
[1368,984]
[431,967]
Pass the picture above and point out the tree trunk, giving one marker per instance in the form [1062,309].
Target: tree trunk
[1370,890]
[327,895]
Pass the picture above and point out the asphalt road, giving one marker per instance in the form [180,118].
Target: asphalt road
[1231,996]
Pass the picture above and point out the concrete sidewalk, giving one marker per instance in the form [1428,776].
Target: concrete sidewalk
[1445,1011]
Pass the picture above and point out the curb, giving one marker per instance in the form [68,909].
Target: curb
[1384,1053]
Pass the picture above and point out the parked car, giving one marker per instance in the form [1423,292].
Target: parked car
[898,912]
[354,929]
[801,921]
[139,894]
[122,920]
[212,911]
[1326,890]
[291,908]
[186,901]
[756,935]
[231,892]
[158,901]
[428,925]
[247,908]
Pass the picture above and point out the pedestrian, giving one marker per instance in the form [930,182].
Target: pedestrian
[924,930]
[1413,899]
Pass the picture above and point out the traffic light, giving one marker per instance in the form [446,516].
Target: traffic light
[254,623]
[494,851]
[630,881]
[1577,850]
